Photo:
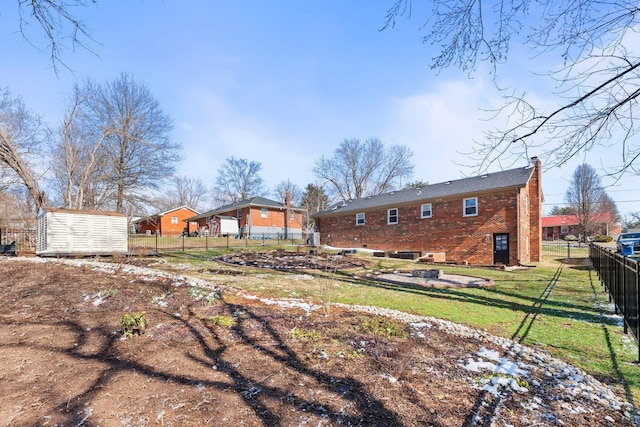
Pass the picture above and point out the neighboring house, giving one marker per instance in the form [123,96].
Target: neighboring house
[169,223]
[555,227]
[494,218]
[257,217]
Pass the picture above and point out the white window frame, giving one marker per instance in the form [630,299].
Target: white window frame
[264,213]
[397,215]
[358,221]
[174,220]
[564,229]
[422,209]
[475,206]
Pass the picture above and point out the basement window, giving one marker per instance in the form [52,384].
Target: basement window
[392,216]
[470,206]
[360,218]
[425,211]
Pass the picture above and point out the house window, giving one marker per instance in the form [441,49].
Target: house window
[470,206]
[392,216]
[264,213]
[292,215]
[564,229]
[174,220]
[425,211]
[360,218]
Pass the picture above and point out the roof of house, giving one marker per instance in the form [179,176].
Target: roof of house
[432,192]
[568,220]
[257,201]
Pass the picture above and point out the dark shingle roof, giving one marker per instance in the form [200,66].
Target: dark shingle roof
[254,201]
[461,187]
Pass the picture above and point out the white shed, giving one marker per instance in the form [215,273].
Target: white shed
[69,232]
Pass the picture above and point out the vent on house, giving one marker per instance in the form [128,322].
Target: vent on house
[484,176]
[447,183]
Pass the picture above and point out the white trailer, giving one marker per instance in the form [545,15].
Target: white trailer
[225,226]
[71,232]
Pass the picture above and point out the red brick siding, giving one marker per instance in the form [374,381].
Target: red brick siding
[163,225]
[275,217]
[461,238]
[535,214]
[514,211]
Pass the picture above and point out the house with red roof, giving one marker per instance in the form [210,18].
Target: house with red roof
[556,227]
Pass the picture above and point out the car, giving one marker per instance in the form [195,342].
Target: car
[628,238]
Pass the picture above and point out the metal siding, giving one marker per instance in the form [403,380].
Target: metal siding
[100,230]
[68,233]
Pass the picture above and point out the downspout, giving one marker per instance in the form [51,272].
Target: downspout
[518,231]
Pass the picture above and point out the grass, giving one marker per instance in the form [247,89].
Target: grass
[556,307]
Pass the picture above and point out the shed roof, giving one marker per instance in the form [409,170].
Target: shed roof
[78,211]
[495,181]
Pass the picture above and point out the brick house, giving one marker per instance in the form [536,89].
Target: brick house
[169,223]
[257,216]
[490,219]
[555,227]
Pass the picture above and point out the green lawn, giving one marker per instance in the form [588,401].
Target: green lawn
[557,307]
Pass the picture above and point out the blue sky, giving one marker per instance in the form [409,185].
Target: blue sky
[284,82]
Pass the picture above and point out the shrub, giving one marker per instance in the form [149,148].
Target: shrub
[570,238]
[133,323]
[226,321]
[385,327]
[602,239]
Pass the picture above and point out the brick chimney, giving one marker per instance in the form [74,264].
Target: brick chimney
[287,212]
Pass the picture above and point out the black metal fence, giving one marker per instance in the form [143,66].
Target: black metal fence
[565,249]
[24,239]
[154,242]
[620,276]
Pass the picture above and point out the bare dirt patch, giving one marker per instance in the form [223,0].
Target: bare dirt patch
[214,356]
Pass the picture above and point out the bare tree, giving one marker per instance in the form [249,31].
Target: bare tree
[78,164]
[238,179]
[359,169]
[21,135]
[294,192]
[632,221]
[182,191]
[562,210]
[608,206]
[598,86]
[584,196]
[56,21]
[135,137]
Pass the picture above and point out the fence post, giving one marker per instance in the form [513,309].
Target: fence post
[637,290]
[156,242]
[624,308]
[227,241]
[568,250]
[206,242]
[183,239]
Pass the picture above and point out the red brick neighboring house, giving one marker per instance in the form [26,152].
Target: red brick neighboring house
[489,219]
[169,223]
[555,227]
[257,217]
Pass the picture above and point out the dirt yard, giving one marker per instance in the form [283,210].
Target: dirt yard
[212,355]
